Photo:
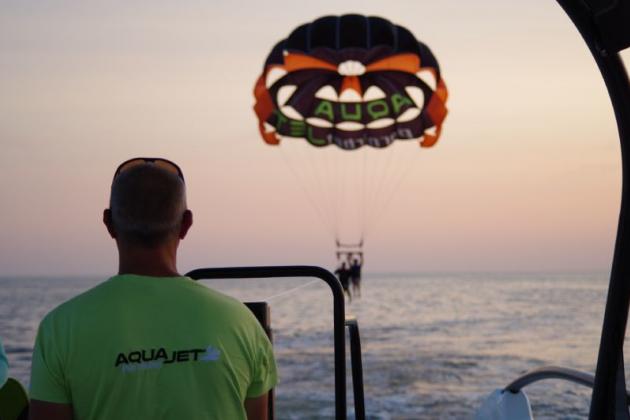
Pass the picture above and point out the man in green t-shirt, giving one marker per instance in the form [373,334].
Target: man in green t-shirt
[149,343]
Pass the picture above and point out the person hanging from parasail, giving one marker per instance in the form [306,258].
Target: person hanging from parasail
[355,272]
[343,274]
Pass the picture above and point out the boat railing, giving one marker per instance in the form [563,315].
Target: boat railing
[554,372]
[357,367]
[339,324]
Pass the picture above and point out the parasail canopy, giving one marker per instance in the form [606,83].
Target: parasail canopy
[351,81]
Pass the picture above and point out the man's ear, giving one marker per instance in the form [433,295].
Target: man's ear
[107,220]
[187,221]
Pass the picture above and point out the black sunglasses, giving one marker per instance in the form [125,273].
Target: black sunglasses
[159,162]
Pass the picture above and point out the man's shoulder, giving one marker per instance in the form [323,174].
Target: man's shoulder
[69,307]
[122,293]
[227,304]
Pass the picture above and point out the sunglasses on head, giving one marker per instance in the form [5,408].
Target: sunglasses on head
[159,162]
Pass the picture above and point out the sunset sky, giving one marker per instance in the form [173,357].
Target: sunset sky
[525,177]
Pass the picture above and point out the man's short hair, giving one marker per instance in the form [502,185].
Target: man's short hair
[147,204]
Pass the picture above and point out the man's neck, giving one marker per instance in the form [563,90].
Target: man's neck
[155,262]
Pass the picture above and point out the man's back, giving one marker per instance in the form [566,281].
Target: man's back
[152,347]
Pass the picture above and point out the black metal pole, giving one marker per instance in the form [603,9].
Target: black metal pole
[338,310]
[357,368]
[263,315]
[610,357]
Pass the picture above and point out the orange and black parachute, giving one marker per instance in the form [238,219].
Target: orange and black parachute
[351,81]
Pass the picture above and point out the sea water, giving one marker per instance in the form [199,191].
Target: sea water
[434,345]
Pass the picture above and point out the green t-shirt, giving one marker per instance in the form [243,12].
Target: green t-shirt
[137,347]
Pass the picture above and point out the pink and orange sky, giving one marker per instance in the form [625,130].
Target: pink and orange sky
[525,177]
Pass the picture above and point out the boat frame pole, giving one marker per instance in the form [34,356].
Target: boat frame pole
[605,28]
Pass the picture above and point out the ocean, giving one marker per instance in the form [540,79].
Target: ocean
[434,345]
